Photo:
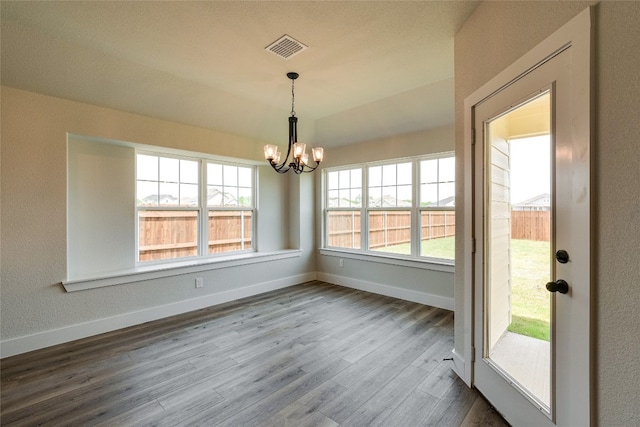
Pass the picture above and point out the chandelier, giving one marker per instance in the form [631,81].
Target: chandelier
[296,151]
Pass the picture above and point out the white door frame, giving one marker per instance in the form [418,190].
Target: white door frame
[577,34]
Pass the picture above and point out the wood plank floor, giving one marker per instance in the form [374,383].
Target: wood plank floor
[309,355]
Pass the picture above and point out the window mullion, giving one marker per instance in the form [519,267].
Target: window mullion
[364,211]
[416,231]
[254,209]
[203,245]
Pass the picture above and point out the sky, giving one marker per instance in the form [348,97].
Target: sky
[530,167]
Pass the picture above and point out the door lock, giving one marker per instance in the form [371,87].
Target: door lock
[562,256]
[558,286]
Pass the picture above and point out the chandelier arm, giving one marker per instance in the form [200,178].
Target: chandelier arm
[311,169]
[279,168]
[292,138]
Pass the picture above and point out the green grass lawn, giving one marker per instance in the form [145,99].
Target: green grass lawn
[436,248]
[530,301]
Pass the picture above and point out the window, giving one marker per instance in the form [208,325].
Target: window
[344,200]
[389,214]
[176,213]
[229,207]
[409,209]
[437,208]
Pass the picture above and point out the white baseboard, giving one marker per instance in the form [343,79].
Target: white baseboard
[458,367]
[44,339]
[390,291]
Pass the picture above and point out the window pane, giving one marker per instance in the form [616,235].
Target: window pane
[188,194]
[447,169]
[404,174]
[332,179]
[214,174]
[447,194]
[356,178]
[396,186]
[229,185]
[344,188]
[169,194]
[375,197]
[169,169]
[188,172]
[356,197]
[389,197]
[215,195]
[334,199]
[245,197]
[437,234]
[167,234]
[428,195]
[389,175]
[404,196]
[244,177]
[437,178]
[345,198]
[146,167]
[229,231]
[429,171]
[147,193]
[375,176]
[390,231]
[230,175]
[344,179]
[230,196]
[344,229]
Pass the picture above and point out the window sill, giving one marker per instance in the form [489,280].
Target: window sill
[178,268]
[425,264]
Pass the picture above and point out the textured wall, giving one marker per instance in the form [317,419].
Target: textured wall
[33,223]
[496,35]
[618,212]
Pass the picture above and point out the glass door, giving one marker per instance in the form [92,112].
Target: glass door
[518,245]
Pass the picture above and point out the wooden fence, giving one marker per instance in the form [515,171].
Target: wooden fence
[531,225]
[174,234]
[344,229]
[387,228]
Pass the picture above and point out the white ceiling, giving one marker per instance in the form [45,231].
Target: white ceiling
[372,68]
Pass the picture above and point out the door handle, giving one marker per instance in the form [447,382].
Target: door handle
[558,286]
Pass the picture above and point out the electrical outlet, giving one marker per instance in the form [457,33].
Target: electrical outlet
[341,263]
[199,282]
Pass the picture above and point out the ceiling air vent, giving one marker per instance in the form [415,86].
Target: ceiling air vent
[286,47]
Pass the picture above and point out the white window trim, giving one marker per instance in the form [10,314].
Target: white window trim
[424,263]
[415,259]
[177,268]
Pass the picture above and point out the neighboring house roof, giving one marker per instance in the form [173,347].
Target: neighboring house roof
[215,197]
[164,199]
[447,201]
[541,200]
[388,201]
